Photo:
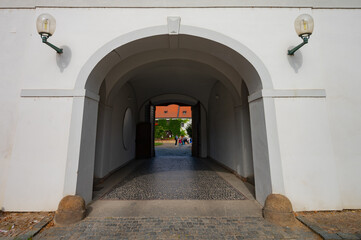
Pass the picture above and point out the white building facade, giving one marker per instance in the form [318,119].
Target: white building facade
[291,122]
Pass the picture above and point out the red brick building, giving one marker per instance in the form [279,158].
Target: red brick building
[173,111]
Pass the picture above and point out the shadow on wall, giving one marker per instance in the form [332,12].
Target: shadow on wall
[296,60]
[63,60]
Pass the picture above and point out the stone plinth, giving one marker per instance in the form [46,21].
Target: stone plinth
[278,210]
[71,209]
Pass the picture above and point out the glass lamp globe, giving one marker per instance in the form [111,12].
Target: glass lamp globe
[46,24]
[304,25]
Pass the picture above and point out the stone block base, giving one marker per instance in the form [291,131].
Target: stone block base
[71,209]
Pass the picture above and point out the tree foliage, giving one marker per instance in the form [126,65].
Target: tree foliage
[172,125]
[159,132]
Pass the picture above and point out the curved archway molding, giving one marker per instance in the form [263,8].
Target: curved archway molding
[107,57]
[82,136]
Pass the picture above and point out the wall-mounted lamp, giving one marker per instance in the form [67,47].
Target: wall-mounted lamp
[304,28]
[46,25]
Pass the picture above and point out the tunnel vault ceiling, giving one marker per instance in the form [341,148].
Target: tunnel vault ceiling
[173,64]
[152,63]
[174,77]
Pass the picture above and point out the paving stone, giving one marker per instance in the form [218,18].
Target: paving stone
[348,236]
[34,230]
[171,228]
[169,149]
[173,177]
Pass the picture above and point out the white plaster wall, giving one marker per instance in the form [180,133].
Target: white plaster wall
[230,132]
[243,131]
[13,32]
[257,25]
[224,144]
[119,155]
[99,26]
[340,61]
[330,61]
[111,142]
[102,150]
[247,157]
[85,160]
[242,115]
[262,157]
[309,166]
[204,136]
[37,168]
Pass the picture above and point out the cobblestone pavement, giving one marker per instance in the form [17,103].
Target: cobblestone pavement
[175,228]
[174,174]
[170,149]
[174,177]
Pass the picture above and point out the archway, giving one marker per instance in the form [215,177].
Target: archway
[200,130]
[137,56]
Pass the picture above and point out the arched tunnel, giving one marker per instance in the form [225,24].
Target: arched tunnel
[212,78]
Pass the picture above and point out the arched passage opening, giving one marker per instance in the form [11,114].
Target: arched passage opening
[216,71]
[180,102]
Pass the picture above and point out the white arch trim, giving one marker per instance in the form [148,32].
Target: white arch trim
[163,30]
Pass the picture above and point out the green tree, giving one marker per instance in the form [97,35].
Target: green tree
[173,125]
[183,133]
[159,132]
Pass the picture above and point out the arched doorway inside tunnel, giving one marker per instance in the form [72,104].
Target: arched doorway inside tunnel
[167,130]
[173,127]
[210,69]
